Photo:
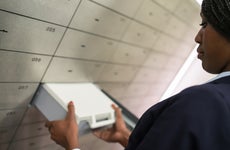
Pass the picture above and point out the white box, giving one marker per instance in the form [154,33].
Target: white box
[91,104]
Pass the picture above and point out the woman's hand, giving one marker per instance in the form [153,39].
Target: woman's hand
[65,132]
[118,133]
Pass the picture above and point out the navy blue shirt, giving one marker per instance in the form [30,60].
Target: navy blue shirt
[198,118]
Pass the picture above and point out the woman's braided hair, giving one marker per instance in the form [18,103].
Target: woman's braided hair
[217,13]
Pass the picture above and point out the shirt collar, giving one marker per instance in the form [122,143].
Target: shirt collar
[221,75]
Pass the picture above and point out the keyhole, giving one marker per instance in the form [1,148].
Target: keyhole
[96,19]
[83,46]
[4,31]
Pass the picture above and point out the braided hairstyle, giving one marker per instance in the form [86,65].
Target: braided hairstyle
[217,13]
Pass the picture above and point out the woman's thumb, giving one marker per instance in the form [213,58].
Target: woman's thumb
[71,111]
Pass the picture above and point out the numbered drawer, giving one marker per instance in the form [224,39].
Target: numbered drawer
[127,54]
[189,37]
[4,146]
[176,28]
[196,19]
[16,95]
[171,5]
[81,45]
[188,9]
[32,143]
[158,89]
[167,75]
[6,135]
[133,105]
[152,100]
[137,89]
[30,114]
[117,73]
[19,67]
[185,50]
[156,60]
[153,15]
[10,117]
[116,90]
[174,63]
[147,75]
[140,35]
[55,11]
[72,70]
[165,44]
[24,34]
[31,130]
[127,7]
[94,18]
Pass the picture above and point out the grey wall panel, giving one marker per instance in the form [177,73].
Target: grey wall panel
[146,75]
[11,117]
[171,5]
[97,19]
[166,44]
[167,75]
[189,36]
[150,12]
[31,143]
[125,54]
[156,90]
[156,60]
[185,11]
[141,35]
[87,46]
[20,67]
[137,90]
[121,6]
[176,28]
[117,73]
[35,36]
[135,102]
[32,115]
[6,135]
[30,130]
[116,90]
[16,95]
[72,70]
[4,146]
[173,63]
[55,11]
[184,50]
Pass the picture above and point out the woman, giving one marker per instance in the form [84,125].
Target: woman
[198,118]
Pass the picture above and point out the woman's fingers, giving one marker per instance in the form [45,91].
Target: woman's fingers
[104,134]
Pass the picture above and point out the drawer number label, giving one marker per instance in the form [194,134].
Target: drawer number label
[36,59]
[50,29]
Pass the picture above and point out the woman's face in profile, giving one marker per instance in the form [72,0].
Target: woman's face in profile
[213,50]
